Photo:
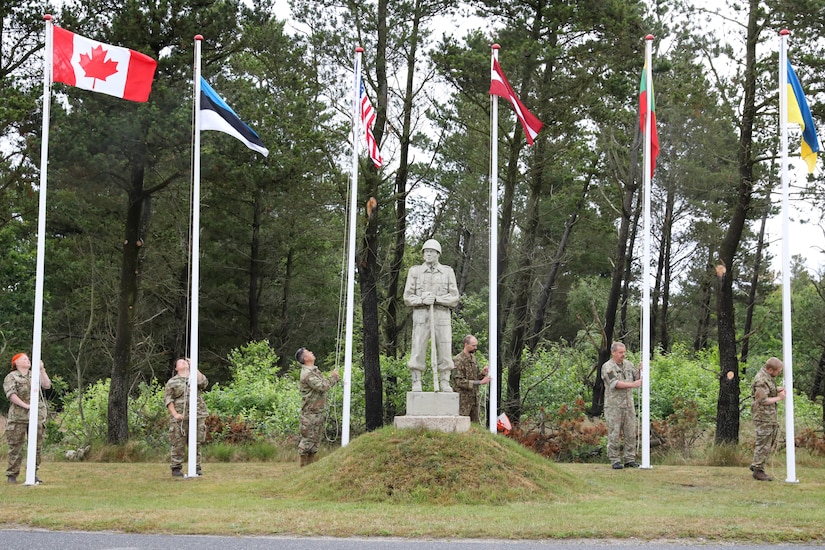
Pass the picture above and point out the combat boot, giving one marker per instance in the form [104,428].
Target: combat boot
[416,380]
[761,475]
[304,460]
[313,457]
[176,472]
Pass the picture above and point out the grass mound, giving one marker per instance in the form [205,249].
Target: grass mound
[427,467]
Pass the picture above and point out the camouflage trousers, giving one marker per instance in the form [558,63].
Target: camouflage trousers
[179,439]
[621,434]
[468,405]
[16,434]
[765,440]
[312,429]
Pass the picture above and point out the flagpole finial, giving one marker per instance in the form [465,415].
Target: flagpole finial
[496,47]
[198,37]
[784,32]
[359,49]
[48,17]
[649,37]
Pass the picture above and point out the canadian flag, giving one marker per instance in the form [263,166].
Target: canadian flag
[91,65]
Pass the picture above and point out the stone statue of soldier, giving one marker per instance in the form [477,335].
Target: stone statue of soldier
[432,292]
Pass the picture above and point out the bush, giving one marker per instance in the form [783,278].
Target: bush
[257,396]
[680,378]
[552,377]
[566,435]
[84,419]
[679,431]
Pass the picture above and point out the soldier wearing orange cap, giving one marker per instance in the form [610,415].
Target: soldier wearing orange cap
[17,386]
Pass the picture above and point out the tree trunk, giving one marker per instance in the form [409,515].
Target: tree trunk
[550,280]
[255,262]
[521,295]
[367,270]
[466,247]
[664,333]
[757,266]
[392,329]
[137,217]
[368,261]
[628,268]
[658,316]
[284,322]
[597,405]
[700,341]
[727,411]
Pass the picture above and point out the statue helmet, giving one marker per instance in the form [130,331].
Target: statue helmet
[432,244]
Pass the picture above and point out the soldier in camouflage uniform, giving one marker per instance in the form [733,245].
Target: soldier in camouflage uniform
[467,379]
[765,396]
[176,399]
[314,387]
[17,386]
[431,288]
[620,378]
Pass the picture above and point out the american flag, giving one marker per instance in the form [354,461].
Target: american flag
[368,120]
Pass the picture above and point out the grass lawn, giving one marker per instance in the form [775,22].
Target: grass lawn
[419,484]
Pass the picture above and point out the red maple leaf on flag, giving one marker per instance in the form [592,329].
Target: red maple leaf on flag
[96,66]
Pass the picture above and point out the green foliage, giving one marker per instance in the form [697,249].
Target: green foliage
[256,394]
[678,375]
[148,418]
[554,376]
[396,369]
[680,431]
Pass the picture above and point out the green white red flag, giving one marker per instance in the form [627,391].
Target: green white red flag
[654,135]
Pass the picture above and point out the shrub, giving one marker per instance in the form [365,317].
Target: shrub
[84,419]
[679,376]
[552,377]
[680,430]
[811,440]
[566,435]
[257,396]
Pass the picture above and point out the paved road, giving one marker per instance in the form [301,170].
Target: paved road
[14,539]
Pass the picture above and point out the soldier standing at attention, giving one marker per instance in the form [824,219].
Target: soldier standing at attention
[620,377]
[176,399]
[467,379]
[765,396]
[432,292]
[314,387]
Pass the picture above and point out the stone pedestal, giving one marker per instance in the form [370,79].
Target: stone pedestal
[433,411]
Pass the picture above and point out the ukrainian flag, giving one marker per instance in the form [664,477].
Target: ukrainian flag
[800,113]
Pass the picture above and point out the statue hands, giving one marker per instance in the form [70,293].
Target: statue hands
[427,298]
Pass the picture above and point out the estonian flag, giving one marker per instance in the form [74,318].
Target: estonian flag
[217,115]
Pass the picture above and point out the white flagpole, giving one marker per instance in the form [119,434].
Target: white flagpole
[34,399]
[353,204]
[493,305]
[196,224]
[646,256]
[787,338]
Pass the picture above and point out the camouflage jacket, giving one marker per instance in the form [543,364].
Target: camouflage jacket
[314,387]
[612,373]
[20,384]
[177,392]
[763,387]
[465,372]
